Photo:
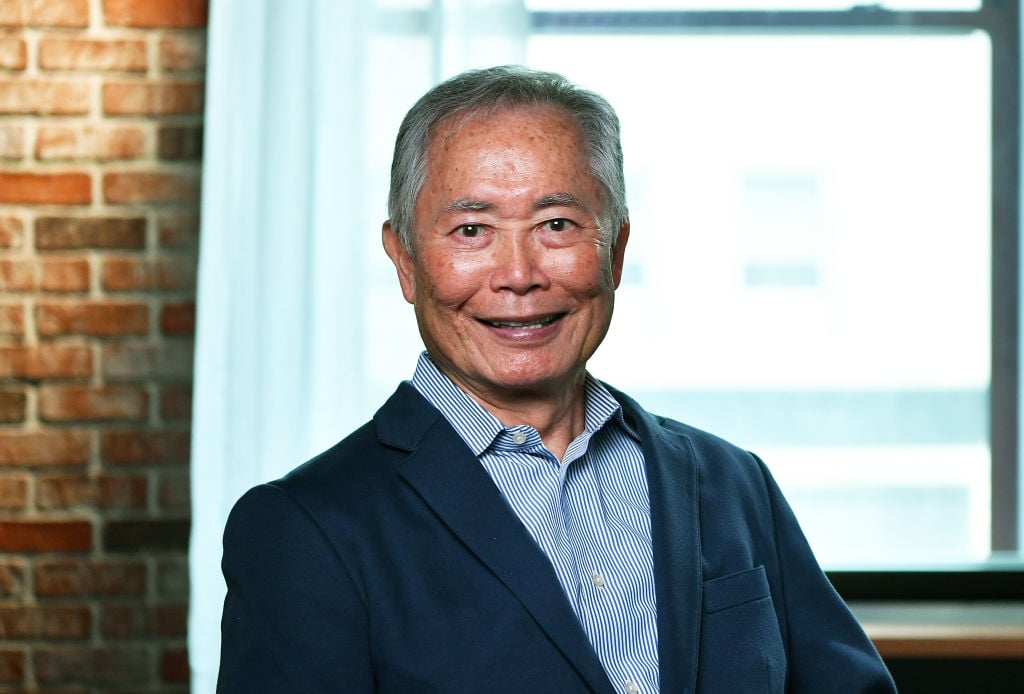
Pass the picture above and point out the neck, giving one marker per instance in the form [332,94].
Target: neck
[559,416]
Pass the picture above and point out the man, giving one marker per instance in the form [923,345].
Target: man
[507,523]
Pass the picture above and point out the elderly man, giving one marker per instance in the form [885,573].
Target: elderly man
[508,523]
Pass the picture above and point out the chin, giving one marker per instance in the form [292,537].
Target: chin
[531,379]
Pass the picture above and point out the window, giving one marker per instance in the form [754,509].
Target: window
[823,265]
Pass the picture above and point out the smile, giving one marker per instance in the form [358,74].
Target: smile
[532,324]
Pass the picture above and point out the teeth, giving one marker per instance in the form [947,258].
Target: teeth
[518,324]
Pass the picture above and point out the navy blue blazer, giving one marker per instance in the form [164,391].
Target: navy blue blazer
[391,563]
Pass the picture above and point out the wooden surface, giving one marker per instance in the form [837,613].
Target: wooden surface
[968,630]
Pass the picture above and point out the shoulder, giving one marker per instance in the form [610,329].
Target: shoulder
[728,485]
[710,452]
[365,465]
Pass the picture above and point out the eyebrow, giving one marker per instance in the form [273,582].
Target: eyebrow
[557,200]
[467,205]
[564,198]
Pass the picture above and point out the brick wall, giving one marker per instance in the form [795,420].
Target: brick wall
[100,136]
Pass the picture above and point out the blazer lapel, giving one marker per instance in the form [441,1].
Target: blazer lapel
[452,482]
[675,534]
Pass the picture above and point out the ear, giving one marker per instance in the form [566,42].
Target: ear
[619,253]
[400,256]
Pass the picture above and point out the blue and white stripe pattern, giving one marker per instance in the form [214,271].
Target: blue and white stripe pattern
[590,514]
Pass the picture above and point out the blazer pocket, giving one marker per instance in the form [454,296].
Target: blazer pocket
[735,589]
[741,644]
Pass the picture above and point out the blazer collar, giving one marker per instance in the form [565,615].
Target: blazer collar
[672,481]
[450,479]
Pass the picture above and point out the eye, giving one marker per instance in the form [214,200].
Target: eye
[469,231]
[558,224]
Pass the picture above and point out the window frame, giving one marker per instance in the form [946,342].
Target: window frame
[1001,21]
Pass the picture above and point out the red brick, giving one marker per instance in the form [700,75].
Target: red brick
[12,232]
[131,188]
[178,318]
[65,689]
[152,98]
[45,536]
[12,319]
[44,97]
[177,14]
[183,52]
[104,491]
[59,13]
[141,447]
[90,578]
[174,666]
[12,664]
[172,579]
[69,233]
[176,403]
[45,360]
[13,13]
[170,360]
[63,447]
[49,622]
[13,493]
[180,143]
[178,229]
[93,55]
[17,275]
[136,536]
[12,405]
[45,189]
[172,620]
[12,141]
[120,621]
[12,578]
[99,318]
[135,620]
[90,142]
[47,13]
[91,665]
[175,492]
[128,273]
[64,275]
[70,403]
[13,54]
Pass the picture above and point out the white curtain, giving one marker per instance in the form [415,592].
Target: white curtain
[301,328]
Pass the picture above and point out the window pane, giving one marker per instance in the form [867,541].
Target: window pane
[809,267]
[763,5]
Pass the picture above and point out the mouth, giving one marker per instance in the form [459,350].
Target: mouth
[528,324]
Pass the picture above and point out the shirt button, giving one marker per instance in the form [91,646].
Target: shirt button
[631,688]
[598,581]
[519,438]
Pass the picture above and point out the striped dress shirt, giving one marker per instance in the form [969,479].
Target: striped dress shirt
[589,513]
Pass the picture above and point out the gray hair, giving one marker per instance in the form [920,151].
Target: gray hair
[481,92]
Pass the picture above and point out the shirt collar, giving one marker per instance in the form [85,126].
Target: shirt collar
[479,428]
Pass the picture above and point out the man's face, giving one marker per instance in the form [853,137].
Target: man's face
[512,281]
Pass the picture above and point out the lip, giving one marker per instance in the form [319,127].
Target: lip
[523,327]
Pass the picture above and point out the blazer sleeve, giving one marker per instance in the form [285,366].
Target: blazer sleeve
[828,650]
[294,619]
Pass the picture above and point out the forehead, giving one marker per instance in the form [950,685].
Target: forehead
[544,126]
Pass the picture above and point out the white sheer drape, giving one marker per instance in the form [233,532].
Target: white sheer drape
[301,327]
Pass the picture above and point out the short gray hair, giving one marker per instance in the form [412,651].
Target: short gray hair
[481,92]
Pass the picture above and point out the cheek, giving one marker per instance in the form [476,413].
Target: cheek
[586,274]
[449,280]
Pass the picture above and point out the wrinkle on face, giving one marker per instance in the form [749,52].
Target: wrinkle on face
[486,251]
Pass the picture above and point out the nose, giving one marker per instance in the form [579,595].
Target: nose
[518,264]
